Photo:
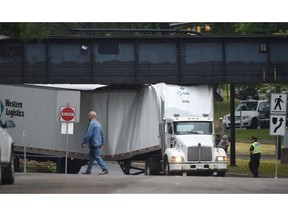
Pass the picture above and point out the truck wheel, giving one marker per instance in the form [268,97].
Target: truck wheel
[148,166]
[7,173]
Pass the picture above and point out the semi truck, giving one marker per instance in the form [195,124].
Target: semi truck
[168,128]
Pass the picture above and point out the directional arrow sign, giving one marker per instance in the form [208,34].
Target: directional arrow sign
[277,125]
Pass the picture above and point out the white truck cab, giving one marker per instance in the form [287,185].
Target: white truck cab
[190,147]
[6,153]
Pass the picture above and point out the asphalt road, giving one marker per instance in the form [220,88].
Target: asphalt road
[118,183]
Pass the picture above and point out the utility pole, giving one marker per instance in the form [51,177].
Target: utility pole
[232,125]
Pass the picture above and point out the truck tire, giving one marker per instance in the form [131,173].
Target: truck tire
[7,172]
[149,165]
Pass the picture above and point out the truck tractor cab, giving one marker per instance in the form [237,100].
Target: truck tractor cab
[190,147]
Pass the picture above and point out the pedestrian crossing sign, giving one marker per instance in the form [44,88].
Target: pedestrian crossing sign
[278,104]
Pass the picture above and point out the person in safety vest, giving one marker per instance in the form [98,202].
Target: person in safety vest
[255,155]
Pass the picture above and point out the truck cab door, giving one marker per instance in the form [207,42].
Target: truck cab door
[165,135]
[169,138]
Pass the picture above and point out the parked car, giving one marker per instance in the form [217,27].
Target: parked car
[247,114]
[6,153]
[264,117]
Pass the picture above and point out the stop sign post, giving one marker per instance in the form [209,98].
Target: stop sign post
[67,117]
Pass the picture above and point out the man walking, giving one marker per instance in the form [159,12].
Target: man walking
[255,155]
[95,138]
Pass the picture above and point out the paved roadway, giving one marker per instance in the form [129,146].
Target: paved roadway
[118,183]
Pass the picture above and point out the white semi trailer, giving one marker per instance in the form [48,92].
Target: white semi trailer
[169,127]
[36,113]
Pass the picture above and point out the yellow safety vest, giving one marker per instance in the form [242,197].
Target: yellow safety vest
[257,147]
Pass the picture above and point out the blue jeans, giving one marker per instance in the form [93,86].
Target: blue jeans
[94,154]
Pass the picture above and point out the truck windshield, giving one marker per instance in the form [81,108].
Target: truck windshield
[181,128]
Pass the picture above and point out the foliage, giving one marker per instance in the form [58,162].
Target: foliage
[267,89]
[245,92]
[260,28]
[36,166]
[223,28]
[31,30]
[259,91]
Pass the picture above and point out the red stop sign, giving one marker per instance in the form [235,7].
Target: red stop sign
[67,114]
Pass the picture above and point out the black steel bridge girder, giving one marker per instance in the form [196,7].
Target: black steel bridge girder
[142,60]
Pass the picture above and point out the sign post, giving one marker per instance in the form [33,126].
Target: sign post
[278,109]
[24,134]
[67,117]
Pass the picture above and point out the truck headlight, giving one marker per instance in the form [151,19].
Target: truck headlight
[221,158]
[177,159]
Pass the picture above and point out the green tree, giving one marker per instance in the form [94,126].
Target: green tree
[260,28]
[28,31]
[43,30]
[245,92]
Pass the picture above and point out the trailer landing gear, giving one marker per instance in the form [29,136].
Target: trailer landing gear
[126,166]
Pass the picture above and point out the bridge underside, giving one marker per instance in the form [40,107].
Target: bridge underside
[140,60]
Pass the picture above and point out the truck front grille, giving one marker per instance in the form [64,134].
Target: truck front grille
[199,153]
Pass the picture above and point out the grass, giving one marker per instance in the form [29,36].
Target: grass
[243,148]
[244,135]
[267,168]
